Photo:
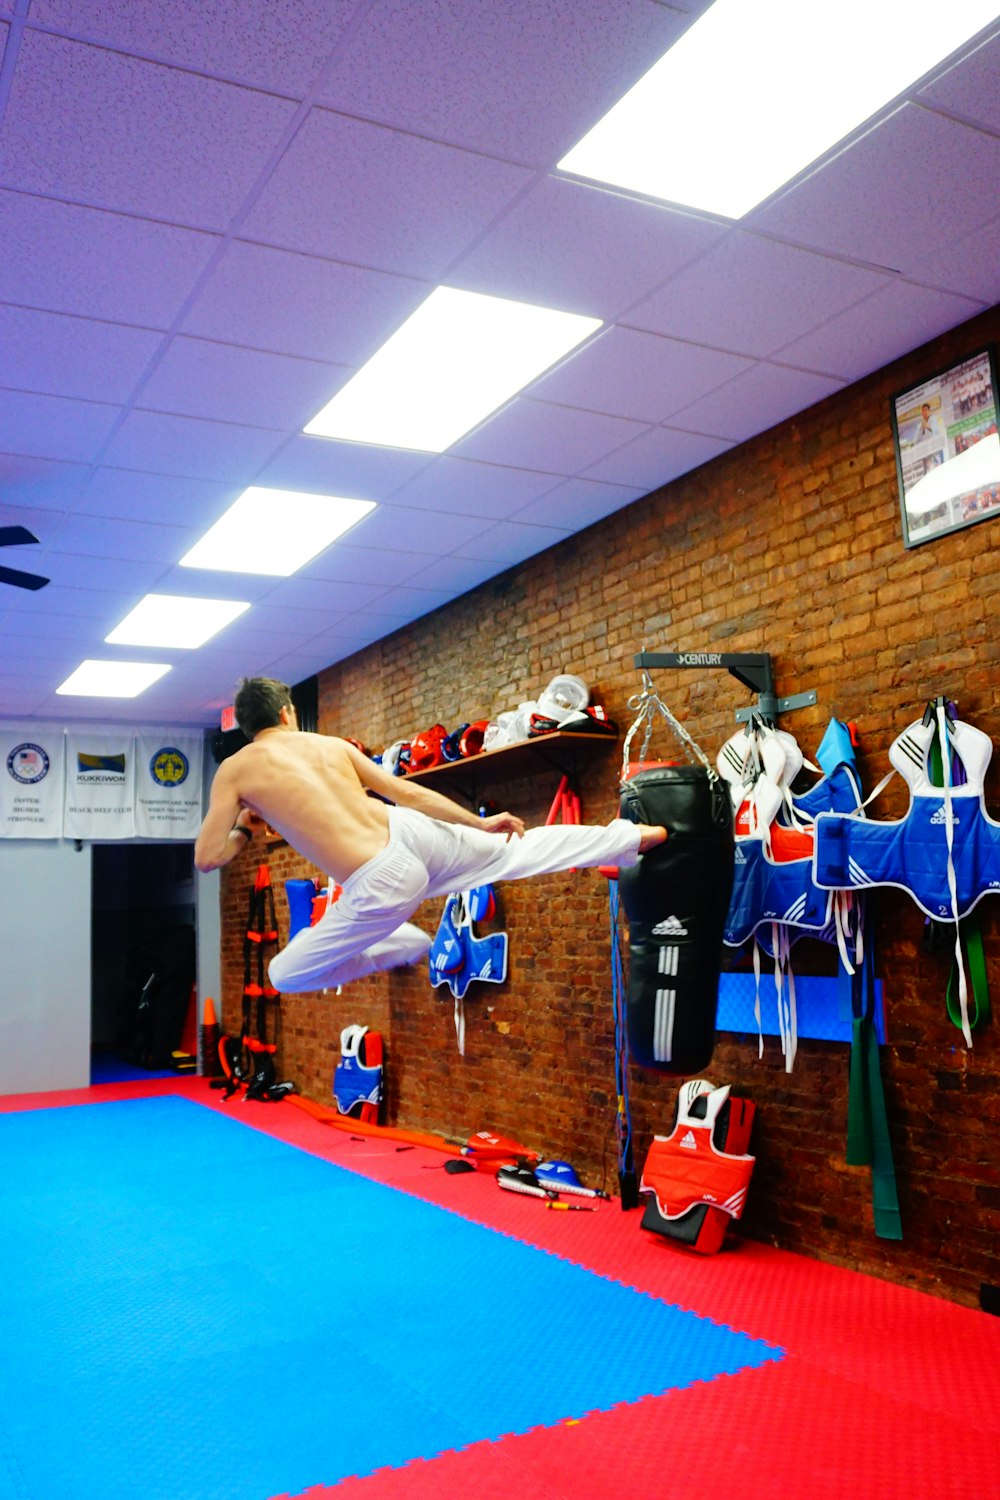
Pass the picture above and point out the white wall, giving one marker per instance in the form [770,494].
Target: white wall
[45,894]
[45,923]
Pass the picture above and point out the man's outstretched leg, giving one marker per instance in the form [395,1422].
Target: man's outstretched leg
[457,858]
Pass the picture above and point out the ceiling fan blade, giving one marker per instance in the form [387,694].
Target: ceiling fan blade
[15,536]
[22,580]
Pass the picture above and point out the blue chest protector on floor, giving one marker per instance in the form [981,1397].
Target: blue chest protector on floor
[355,1084]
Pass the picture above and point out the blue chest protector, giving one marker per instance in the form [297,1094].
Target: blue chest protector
[354,1084]
[765,891]
[768,890]
[946,834]
[945,852]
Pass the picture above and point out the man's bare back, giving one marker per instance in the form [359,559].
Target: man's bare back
[306,787]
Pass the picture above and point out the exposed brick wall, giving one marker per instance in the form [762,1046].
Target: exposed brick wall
[790,544]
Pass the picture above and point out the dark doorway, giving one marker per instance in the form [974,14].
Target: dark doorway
[142,959]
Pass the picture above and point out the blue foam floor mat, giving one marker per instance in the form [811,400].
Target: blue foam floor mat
[192,1310]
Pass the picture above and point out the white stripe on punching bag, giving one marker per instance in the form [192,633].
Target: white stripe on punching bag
[666,959]
[663,1025]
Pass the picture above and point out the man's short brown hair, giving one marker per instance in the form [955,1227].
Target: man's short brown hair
[259,701]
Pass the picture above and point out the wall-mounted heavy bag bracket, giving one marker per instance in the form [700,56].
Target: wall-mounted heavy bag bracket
[753,670]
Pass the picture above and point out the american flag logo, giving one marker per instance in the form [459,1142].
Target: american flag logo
[28,764]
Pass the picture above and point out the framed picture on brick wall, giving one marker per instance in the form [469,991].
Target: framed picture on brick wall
[948,450]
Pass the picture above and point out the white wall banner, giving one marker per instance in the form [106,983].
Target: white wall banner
[167,785]
[100,780]
[31,781]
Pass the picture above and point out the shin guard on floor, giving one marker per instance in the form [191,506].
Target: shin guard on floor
[676,899]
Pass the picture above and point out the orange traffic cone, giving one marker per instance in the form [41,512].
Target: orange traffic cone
[210,1065]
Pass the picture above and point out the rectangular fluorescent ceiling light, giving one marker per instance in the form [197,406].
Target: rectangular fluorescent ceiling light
[168,620]
[112,679]
[274,531]
[452,363]
[755,92]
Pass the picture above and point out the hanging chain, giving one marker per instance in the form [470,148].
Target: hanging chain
[648,706]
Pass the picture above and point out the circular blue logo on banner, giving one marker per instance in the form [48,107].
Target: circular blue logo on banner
[28,764]
[169,766]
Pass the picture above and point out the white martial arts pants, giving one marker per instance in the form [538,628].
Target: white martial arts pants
[367,928]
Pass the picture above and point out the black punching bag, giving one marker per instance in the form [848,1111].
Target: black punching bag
[676,899]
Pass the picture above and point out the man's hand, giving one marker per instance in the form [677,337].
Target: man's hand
[504,822]
[250,821]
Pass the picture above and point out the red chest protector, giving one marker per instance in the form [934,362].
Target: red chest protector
[698,1175]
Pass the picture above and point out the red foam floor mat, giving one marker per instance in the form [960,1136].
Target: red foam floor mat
[885,1392]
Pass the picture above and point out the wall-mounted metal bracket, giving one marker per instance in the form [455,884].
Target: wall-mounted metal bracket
[785,705]
[753,670]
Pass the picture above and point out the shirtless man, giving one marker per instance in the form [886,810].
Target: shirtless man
[313,789]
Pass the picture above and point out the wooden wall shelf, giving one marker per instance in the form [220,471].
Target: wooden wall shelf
[561,751]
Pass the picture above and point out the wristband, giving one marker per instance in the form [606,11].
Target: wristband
[246,832]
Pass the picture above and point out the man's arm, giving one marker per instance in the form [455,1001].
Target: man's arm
[411,794]
[218,842]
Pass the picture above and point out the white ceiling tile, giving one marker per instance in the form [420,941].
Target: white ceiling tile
[172,145]
[140,541]
[166,499]
[275,44]
[915,182]
[582,249]
[128,576]
[78,260]
[296,666]
[299,304]
[637,375]
[555,439]
[353,191]
[63,356]
[318,593]
[456,574]
[247,635]
[865,337]
[189,447]
[398,606]
[198,378]
[510,542]
[305,623]
[427,531]
[752,295]
[77,601]
[337,644]
[970,265]
[54,427]
[343,563]
[39,483]
[472,489]
[658,455]
[577,503]
[354,470]
[525,91]
[970,88]
[753,402]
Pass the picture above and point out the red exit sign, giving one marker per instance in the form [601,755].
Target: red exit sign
[228,718]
